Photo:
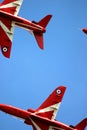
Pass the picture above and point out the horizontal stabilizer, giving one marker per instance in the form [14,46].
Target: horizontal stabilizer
[82,124]
[39,39]
[43,22]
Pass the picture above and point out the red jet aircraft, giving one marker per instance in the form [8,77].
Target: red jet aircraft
[8,19]
[84,30]
[43,118]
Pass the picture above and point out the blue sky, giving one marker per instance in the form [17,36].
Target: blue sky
[30,75]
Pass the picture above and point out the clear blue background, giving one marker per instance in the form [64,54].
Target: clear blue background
[30,75]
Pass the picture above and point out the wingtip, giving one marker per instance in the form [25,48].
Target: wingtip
[50,15]
[60,90]
[5,51]
[41,47]
[84,30]
[61,87]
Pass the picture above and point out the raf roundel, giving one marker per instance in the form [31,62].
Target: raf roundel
[58,91]
[5,49]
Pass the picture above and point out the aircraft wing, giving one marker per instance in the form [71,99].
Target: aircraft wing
[50,106]
[7,26]
[11,6]
[6,35]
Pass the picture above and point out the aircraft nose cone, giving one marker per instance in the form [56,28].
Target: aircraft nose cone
[84,30]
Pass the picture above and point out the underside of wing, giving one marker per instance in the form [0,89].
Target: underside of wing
[6,49]
[6,35]
[5,43]
[50,106]
[38,124]
[11,6]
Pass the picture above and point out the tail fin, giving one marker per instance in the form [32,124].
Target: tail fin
[39,36]
[50,106]
[43,22]
[82,124]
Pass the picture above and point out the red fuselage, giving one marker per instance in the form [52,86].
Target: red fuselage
[26,24]
[28,117]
